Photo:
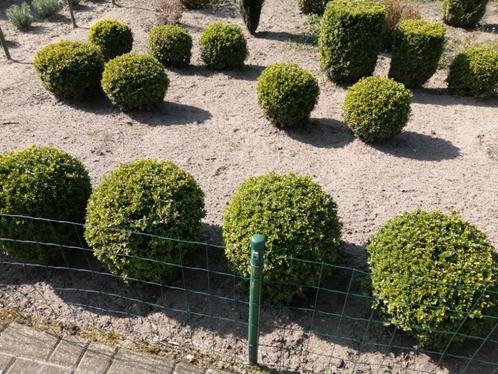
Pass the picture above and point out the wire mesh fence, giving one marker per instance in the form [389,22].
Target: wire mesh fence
[329,327]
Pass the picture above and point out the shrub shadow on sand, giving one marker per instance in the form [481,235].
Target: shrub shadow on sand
[322,133]
[419,147]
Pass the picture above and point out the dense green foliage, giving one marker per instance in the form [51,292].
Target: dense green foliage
[416,50]
[145,196]
[70,69]
[298,219]
[351,39]
[397,11]
[19,15]
[251,13]
[44,183]
[377,108]
[171,45]
[113,37]
[312,6]
[287,94]
[46,8]
[474,72]
[223,46]
[135,82]
[463,13]
[428,271]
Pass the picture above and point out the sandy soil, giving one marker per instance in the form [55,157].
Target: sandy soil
[211,126]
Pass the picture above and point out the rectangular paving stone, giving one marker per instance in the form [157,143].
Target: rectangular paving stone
[96,359]
[23,341]
[125,360]
[23,366]
[5,361]
[68,352]
[182,368]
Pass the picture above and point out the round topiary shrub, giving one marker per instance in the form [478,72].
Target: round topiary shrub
[463,13]
[298,219]
[377,108]
[144,196]
[428,271]
[70,69]
[416,50]
[351,39]
[46,183]
[474,73]
[171,45]
[135,82]
[223,46]
[287,94]
[113,37]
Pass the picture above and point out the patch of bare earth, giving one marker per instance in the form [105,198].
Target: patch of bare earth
[211,126]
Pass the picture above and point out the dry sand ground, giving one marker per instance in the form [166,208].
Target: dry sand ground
[211,126]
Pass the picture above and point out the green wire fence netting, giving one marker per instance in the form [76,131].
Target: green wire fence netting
[330,326]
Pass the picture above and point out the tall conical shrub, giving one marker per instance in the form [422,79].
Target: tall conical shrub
[251,12]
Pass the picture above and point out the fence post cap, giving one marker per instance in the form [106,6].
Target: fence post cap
[258,239]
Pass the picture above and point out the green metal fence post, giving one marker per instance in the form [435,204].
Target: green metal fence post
[73,20]
[257,253]
[4,44]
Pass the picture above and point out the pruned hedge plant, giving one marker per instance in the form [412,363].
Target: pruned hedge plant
[251,13]
[156,198]
[113,37]
[350,39]
[431,277]
[287,94]
[474,72]
[223,46]
[70,69]
[377,108]
[298,219]
[463,13]
[171,45]
[416,50]
[47,183]
[135,82]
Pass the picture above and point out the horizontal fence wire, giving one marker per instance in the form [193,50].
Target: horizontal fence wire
[329,327]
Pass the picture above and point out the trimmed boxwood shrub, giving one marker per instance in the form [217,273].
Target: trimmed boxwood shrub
[135,82]
[428,270]
[41,182]
[223,46]
[312,6]
[377,108]
[287,94]
[397,11]
[113,37]
[251,13]
[70,69]
[463,13]
[144,196]
[416,50]
[298,219]
[474,73]
[351,39]
[171,45]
